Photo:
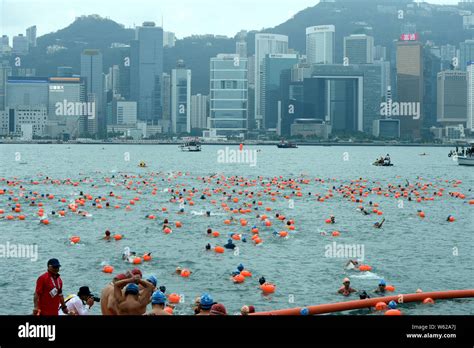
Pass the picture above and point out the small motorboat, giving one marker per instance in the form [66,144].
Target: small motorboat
[465,157]
[287,145]
[190,146]
[378,164]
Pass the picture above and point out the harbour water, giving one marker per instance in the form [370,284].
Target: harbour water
[409,252]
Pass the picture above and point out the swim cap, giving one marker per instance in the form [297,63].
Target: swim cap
[121,276]
[136,271]
[235,273]
[206,301]
[304,311]
[240,267]
[158,298]
[131,289]
[346,280]
[218,309]
[392,305]
[152,279]
[382,282]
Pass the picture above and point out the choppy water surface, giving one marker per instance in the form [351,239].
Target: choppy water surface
[409,252]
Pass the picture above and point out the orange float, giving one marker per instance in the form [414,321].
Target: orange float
[268,288]
[75,239]
[393,312]
[137,260]
[118,237]
[108,269]
[174,298]
[185,273]
[238,279]
[219,249]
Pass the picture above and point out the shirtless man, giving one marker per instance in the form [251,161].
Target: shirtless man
[158,303]
[346,289]
[108,304]
[132,302]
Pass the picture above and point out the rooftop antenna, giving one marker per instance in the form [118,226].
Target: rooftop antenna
[162,22]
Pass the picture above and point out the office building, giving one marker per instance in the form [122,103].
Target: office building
[273,65]
[20,45]
[5,71]
[470,97]
[241,48]
[265,44]
[452,97]
[180,99]
[386,128]
[199,111]
[169,39]
[31,36]
[410,85]
[228,109]
[166,97]
[146,71]
[359,49]
[27,91]
[466,54]
[320,44]
[92,71]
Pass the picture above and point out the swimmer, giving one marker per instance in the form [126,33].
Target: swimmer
[346,289]
[197,306]
[107,303]
[363,211]
[262,280]
[352,265]
[132,302]
[379,224]
[158,303]
[333,219]
[363,295]
[230,245]
[205,305]
[128,255]
[246,310]
[208,247]
[107,235]
[208,213]
[209,231]
[381,288]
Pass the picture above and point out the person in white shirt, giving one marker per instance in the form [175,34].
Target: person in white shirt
[81,303]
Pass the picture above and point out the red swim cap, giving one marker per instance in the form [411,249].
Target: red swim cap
[136,271]
[251,309]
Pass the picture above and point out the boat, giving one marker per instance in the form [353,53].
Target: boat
[377,164]
[287,145]
[465,157]
[191,146]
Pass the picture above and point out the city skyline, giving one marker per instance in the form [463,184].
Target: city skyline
[193,19]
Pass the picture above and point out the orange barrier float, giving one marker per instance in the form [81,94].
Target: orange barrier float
[359,304]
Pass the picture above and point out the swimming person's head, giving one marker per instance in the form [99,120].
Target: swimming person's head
[132,289]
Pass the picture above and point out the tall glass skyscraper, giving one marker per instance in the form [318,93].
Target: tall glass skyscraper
[92,71]
[466,53]
[229,94]
[146,71]
[265,44]
[180,99]
[320,44]
[359,49]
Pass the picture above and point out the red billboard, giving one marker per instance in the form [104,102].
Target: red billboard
[409,37]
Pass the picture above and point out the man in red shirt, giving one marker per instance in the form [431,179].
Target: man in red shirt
[49,291]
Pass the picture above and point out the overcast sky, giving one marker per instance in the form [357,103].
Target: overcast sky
[184,17]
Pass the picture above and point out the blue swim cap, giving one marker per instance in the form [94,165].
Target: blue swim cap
[240,267]
[229,241]
[382,282]
[152,279]
[158,298]
[132,289]
[304,311]
[235,273]
[392,305]
[206,301]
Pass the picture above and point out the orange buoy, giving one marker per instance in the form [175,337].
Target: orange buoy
[45,222]
[243,222]
[390,288]
[380,306]
[167,230]
[451,219]
[421,214]
[108,269]
[292,228]
[21,217]
[118,237]
[151,217]
[227,222]
[185,273]
[365,268]
[174,298]
[428,300]
[147,257]
[239,278]
[328,221]
[215,234]
[268,223]
[235,200]
[268,288]
[393,312]
[137,260]
[178,224]
[471,202]
[257,240]
[75,239]
[235,237]
[379,212]
[219,249]
[255,230]
[246,273]
[336,234]
[283,234]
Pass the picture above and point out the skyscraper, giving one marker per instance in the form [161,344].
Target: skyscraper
[229,95]
[265,44]
[452,97]
[5,70]
[241,48]
[20,44]
[320,44]
[180,99]
[166,97]
[359,49]
[169,39]
[466,53]
[273,65]
[146,70]
[199,111]
[31,36]
[410,86]
[470,97]
[92,71]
